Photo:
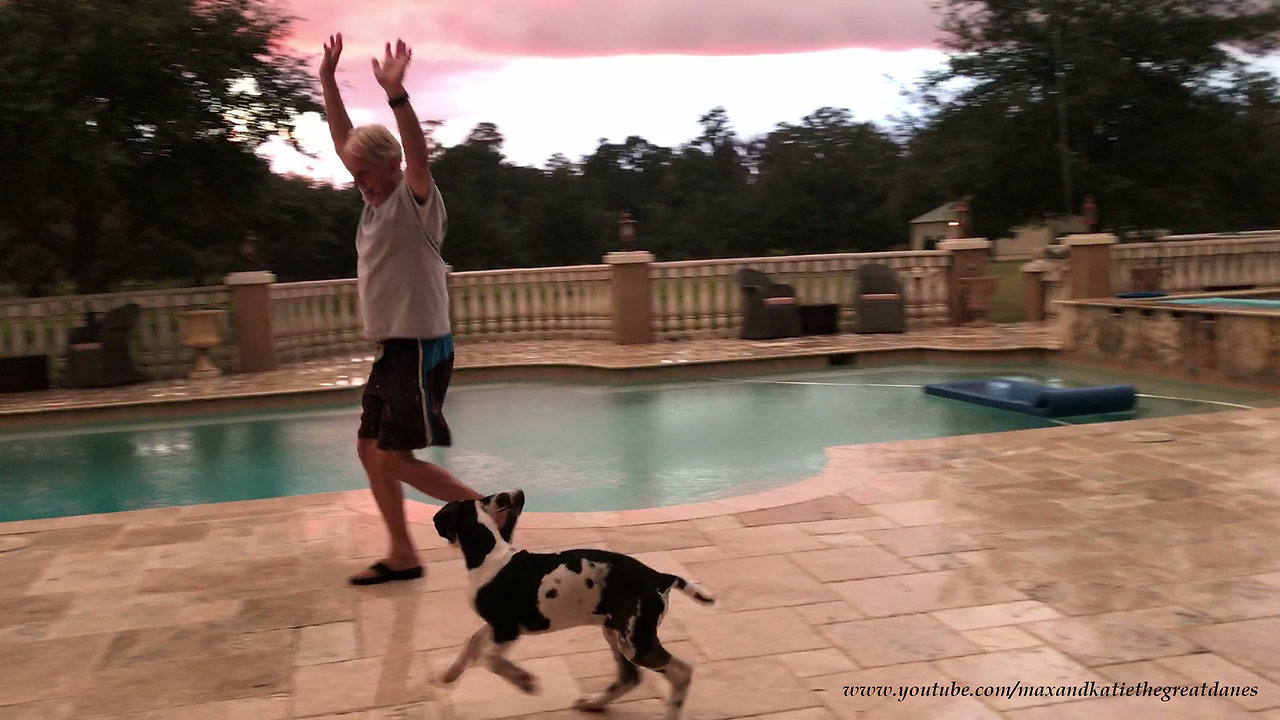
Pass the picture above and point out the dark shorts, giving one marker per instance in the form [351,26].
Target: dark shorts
[403,403]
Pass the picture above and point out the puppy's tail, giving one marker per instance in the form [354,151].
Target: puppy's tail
[693,590]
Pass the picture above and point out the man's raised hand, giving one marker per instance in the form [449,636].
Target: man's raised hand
[332,50]
[390,73]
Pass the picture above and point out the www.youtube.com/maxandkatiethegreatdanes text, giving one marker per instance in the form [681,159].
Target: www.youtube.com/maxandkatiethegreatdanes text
[1164,693]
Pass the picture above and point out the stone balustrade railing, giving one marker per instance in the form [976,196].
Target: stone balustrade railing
[319,318]
[1185,263]
[1191,263]
[40,326]
[701,298]
[531,303]
[316,318]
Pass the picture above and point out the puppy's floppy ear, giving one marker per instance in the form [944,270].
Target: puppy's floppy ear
[513,503]
[446,521]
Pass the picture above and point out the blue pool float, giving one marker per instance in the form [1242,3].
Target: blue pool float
[1036,399]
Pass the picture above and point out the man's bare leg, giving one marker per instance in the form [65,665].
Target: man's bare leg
[389,497]
[386,469]
[425,477]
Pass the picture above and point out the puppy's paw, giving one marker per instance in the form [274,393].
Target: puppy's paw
[589,703]
[448,677]
[525,682]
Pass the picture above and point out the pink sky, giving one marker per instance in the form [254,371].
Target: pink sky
[558,75]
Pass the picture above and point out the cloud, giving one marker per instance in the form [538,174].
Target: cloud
[555,74]
[600,28]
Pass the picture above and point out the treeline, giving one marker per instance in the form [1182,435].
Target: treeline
[129,147]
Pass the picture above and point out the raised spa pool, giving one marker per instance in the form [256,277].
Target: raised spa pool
[573,447]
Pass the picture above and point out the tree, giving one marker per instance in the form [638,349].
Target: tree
[824,185]
[1146,105]
[132,119]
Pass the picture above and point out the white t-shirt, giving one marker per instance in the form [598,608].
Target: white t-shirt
[402,278]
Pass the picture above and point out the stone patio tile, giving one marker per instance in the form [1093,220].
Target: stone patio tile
[1153,672]
[831,508]
[134,536]
[1201,561]
[545,539]
[332,642]
[1109,590]
[34,610]
[921,512]
[408,620]
[1247,643]
[1135,708]
[697,554]
[828,612]
[267,707]
[850,525]
[1005,637]
[393,679]
[58,709]
[772,631]
[945,561]
[647,538]
[622,709]
[1121,636]
[985,616]
[813,713]
[809,663]
[154,686]
[850,563]
[167,644]
[1016,673]
[882,693]
[764,540]
[745,688]
[1225,600]
[48,669]
[922,592]
[924,540]
[230,580]
[312,607]
[1210,668]
[759,582]
[896,640]
[89,571]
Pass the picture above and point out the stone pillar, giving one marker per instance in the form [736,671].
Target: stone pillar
[1090,257]
[632,296]
[968,259]
[251,318]
[1033,294]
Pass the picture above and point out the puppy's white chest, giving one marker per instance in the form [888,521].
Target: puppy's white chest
[568,598]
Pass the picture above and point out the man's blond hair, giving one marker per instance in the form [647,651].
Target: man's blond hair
[374,142]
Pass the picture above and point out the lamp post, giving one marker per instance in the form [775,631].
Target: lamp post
[626,232]
[1090,213]
[962,219]
[249,252]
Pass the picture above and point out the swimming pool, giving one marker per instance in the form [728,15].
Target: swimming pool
[573,447]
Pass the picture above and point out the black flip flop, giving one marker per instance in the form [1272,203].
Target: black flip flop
[386,574]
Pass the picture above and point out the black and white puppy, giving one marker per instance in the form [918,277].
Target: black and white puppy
[519,592]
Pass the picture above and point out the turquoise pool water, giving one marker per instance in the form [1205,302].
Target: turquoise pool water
[573,447]
[1254,303]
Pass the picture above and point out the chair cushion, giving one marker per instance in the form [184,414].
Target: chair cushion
[780,301]
[87,346]
[882,296]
